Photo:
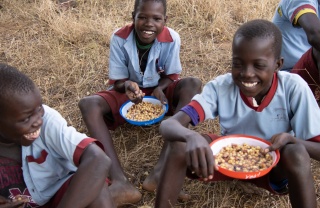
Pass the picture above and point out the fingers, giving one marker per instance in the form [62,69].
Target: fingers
[201,162]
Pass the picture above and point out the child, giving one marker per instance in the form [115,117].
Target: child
[43,161]
[307,68]
[144,60]
[298,21]
[254,99]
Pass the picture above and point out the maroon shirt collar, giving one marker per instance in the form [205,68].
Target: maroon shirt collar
[164,36]
[267,99]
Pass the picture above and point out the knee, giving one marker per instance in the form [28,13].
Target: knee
[86,104]
[295,158]
[176,150]
[192,83]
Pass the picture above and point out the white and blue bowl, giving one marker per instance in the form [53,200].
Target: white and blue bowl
[125,107]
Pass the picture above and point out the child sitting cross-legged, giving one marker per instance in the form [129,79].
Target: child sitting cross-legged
[254,99]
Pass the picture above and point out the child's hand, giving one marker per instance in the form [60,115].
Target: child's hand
[158,93]
[5,203]
[200,158]
[133,92]
[280,140]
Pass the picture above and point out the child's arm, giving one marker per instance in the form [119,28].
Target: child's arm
[89,179]
[5,203]
[158,91]
[311,25]
[198,152]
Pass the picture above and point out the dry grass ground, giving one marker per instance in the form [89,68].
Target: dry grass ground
[66,54]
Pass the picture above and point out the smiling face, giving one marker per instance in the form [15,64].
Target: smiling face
[149,21]
[253,65]
[21,118]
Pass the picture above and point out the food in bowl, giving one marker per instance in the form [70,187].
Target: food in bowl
[243,158]
[144,111]
[241,139]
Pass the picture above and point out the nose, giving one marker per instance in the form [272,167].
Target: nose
[248,71]
[148,22]
[38,120]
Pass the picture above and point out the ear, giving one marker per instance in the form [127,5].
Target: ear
[279,64]
[132,16]
[165,19]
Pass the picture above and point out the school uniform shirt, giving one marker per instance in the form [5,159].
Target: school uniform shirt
[163,55]
[289,106]
[53,157]
[295,41]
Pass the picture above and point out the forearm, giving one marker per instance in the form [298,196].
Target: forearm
[173,130]
[89,179]
[119,86]
[313,148]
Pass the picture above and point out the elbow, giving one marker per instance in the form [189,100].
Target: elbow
[314,39]
[164,127]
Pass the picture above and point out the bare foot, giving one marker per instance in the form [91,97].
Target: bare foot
[150,184]
[124,193]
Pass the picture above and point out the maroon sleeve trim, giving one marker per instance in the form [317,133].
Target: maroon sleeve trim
[198,108]
[315,139]
[81,147]
[299,9]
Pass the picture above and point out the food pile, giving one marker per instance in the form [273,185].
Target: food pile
[243,158]
[144,111]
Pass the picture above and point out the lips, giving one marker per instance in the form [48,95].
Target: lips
[32,136]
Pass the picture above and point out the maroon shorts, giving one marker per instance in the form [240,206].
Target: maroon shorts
[55,200]
[262,182]
[116,99]
[307,68]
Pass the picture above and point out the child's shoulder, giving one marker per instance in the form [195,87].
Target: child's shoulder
[51,116]
[291,79]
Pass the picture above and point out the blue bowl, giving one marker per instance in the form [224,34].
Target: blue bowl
[125,107]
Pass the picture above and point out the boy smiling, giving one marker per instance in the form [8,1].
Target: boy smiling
[42,159]
[254,99]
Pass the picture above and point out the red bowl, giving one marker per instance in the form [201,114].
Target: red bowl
[240,139]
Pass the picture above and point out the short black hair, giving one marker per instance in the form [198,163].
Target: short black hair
[137,3]
[13,81]
[261,28]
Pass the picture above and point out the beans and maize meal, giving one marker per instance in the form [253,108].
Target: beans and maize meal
[144,111]
[243,158]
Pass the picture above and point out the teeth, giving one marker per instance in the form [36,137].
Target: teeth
[33,135]
[148,32]
[247,84]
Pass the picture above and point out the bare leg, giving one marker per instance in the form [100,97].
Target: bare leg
[93,109]
[172,175]
[295,162]
[183,94]
[104,200]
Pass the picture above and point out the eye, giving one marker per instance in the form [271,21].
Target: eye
[25,120]
[260,66]
[236,64]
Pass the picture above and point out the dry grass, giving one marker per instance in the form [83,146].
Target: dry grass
[66,54]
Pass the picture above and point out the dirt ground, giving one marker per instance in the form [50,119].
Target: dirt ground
[66,54]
